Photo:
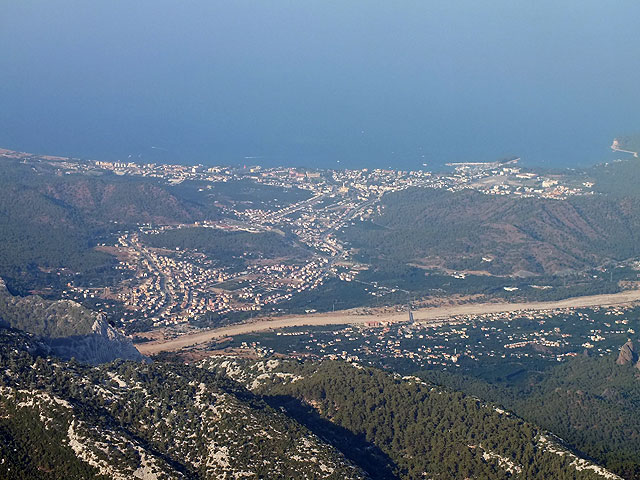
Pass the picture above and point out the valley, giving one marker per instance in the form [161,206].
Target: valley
[427,316]
[229,304]
[295,240]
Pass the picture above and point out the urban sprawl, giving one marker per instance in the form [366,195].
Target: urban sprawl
[171,287]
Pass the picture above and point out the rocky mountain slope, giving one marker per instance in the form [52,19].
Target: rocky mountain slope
[150,421]
[592,402]
[404,428]
[628,355]
[67,328]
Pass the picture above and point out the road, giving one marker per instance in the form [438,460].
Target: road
[341,318]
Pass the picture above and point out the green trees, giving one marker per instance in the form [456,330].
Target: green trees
[422,429]
[591,403]
[183,421]
[460,230]
[224,246]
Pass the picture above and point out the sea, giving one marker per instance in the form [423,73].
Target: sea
[411,84]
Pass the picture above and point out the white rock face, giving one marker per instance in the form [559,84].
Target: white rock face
[104,345]
[66,327]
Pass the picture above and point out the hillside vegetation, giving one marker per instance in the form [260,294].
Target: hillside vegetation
[226,418]
[51,223]
[404,428]
[225,245]
[502,235]
[127,420]
[618,179]
[592,403]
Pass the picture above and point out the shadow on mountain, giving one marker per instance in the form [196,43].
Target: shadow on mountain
[356,448]
[94,348]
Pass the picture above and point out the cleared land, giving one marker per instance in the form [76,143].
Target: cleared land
[341,318]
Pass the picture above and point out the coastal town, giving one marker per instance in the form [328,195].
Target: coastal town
[170,287]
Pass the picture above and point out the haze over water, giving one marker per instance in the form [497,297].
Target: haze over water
[365,83]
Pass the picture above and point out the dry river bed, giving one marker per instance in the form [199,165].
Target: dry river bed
[350,317]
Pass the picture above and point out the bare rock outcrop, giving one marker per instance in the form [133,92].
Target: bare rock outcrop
[628,355]
[68,329]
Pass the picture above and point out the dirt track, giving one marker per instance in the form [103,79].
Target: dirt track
[340,318]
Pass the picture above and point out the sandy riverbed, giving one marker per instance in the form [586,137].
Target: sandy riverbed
[341,318]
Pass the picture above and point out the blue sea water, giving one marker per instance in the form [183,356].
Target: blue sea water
[359,83]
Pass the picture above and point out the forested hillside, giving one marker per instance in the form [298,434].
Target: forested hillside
[50,224]
[591,403]
[404,428]
[502,235]
[300,420]
[38,233]
[224,245]
[618,179]
[129,420]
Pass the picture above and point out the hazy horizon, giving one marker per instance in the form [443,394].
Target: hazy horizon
[313,83]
